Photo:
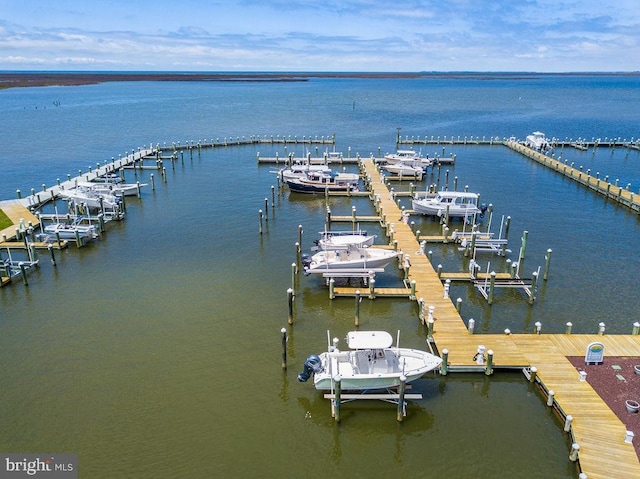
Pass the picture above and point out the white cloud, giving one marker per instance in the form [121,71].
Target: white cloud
[329,35]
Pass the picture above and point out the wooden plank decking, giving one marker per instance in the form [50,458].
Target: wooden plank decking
[599,433]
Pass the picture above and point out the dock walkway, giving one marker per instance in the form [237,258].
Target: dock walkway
[603,452]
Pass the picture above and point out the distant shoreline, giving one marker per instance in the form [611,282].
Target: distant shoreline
[35,79]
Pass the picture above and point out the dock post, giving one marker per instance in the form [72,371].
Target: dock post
[444,364]
[332,283]
[506,235]
[401,406]
[447,286]
[260,217]
[357,316]
[489,369]
[636,328]
[23,272]
[471,326]
[300,231]
[372,288]
[290,300]
[573,455]
[547,258]
[550,397]
[601,328]
[534,374]
[294,270]
[523,247]
[266,209]
[430,323]
[273,196]
[283,331]
[492,285]
[567,423]
[153,182]
[421,314]
[458,305]
[534,283]
[53,255]
[569,326]
[538,326]
[336,398]
[412,295]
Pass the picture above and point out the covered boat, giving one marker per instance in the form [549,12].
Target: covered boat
[461,204]
[370,363]
[321,181]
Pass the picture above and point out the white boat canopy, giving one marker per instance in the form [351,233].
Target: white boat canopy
[369,339]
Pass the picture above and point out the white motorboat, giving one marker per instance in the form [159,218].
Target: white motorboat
[402,155]
[405,168]
[300,170]
[115,189]
[370,363]
[73,231]
[320,181]
[82,195]
[331,240]
[460,204]
[349,258]
[538,141]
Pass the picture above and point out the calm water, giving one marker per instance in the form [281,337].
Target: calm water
[155,352]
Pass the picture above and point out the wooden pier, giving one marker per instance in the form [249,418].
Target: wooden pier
[603,452]
[622,195]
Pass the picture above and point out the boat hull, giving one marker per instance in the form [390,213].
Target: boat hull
[363,370]
[435,209]
[350,259]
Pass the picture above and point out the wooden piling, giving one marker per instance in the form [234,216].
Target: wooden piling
[283,332]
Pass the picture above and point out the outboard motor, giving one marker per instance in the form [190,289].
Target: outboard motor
[483,209]
[306,260]
[313,364]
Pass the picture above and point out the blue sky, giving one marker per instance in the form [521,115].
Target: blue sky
[320,35]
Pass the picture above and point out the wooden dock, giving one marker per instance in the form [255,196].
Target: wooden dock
[622,195]
[603,452]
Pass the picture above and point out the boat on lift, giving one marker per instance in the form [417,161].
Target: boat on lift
[331,240]
[349,258]
[371,363]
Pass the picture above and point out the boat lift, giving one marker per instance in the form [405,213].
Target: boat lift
[11,267]
[487,285]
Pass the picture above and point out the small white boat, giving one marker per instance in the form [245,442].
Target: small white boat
[371,363]
[320,181]
[81,195]
[402,155]
[460,204]
[115,189]
[538,141]
[349,258]
[73,231]
[331,240]
[405,168]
